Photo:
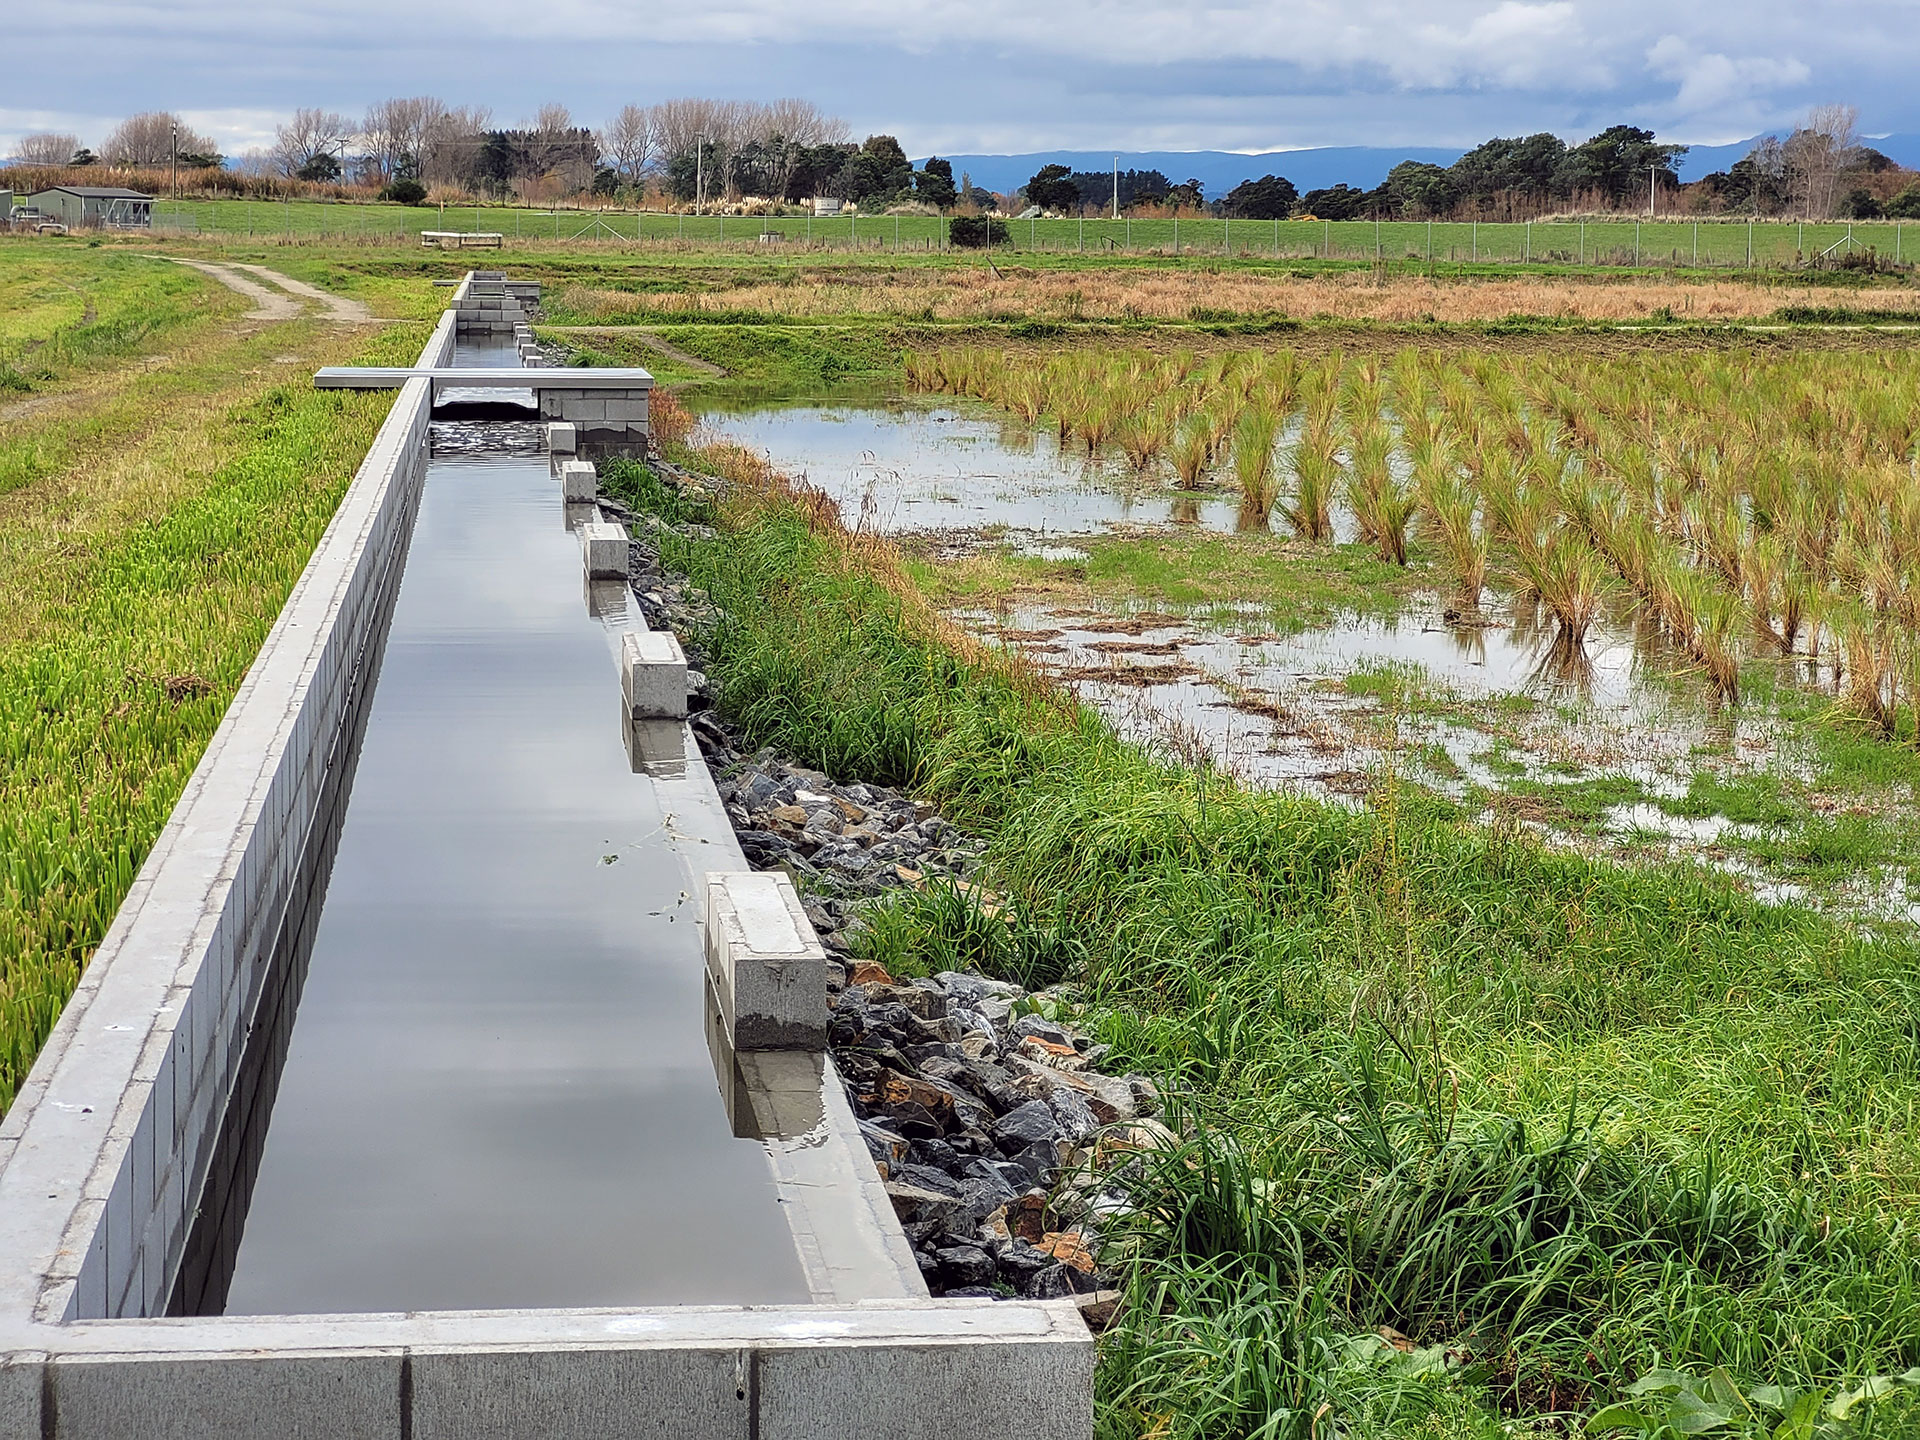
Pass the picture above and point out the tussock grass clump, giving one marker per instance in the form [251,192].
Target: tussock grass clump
[1254,433]
[1745,503]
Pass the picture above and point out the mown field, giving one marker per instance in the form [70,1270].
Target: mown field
[1711,243]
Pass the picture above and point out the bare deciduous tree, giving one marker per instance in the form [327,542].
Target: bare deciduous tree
[47,148]
[308,136]
[1815,155]
[450,143]
[557,147]
[394,134]
[629,142]
[149,139]
[791,125]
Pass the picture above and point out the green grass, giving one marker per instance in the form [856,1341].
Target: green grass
[1297,586]
[1708,244]
[758,359]
[1572,1120]
[1579,804]
[1755,798]
[72,309]
[107,702]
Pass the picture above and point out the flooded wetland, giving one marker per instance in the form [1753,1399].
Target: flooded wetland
[1207,620]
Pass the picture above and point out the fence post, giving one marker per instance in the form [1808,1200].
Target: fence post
[1326,248]
[1636,244]
[1476,241]
[1529,242]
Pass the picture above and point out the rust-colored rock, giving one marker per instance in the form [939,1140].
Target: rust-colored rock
[897,1089]
[1068,1248]
[1027,1218]
[869,972]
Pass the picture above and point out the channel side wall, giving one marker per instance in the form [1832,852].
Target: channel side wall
[105,1152]
[112,1137]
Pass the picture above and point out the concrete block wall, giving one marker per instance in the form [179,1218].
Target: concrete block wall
[486,303]
[113,1135]
[605,422]
[178,978]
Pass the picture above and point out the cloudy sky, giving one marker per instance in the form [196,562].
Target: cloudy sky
[992,75]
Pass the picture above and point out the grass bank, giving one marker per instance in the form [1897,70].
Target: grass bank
[140,579]
[1558,1126]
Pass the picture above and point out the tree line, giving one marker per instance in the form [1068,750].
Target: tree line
[702,153]
[691,151]
[1820,170]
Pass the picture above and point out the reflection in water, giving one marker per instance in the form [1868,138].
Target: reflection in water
[1249,519]
[496,1094]
[1324,707]
[912,467]
[769,1094]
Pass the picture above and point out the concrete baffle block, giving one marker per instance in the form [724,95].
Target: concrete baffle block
[653,675]
[769,972]
[561,438]
[603,549]
[578,482]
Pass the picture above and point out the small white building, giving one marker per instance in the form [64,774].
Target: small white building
[825,205]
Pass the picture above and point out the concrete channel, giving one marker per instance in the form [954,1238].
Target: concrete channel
[447,1071]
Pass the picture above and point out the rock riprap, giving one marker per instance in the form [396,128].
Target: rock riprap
[1004,1146]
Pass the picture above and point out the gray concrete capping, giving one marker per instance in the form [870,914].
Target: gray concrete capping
[569,382]
[769,972]
[603,550]
[560,438]
[653,675]
[106,1150]
[936,1369]
[579,482]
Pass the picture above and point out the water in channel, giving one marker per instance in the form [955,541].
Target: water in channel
[498,1093]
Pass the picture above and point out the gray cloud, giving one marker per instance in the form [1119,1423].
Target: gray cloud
[997,74]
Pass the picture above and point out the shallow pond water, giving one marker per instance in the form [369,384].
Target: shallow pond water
[905,466]
[1595,747]
[1327,708]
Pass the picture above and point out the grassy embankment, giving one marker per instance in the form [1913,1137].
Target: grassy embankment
[156,509]
[1560,1123]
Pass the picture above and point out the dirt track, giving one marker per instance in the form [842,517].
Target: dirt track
[279,302]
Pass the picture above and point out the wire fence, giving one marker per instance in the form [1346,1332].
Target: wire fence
[1707,244]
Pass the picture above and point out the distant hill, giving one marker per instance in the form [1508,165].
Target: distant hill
[1364,166]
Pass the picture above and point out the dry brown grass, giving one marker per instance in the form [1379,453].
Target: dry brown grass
[974,294]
